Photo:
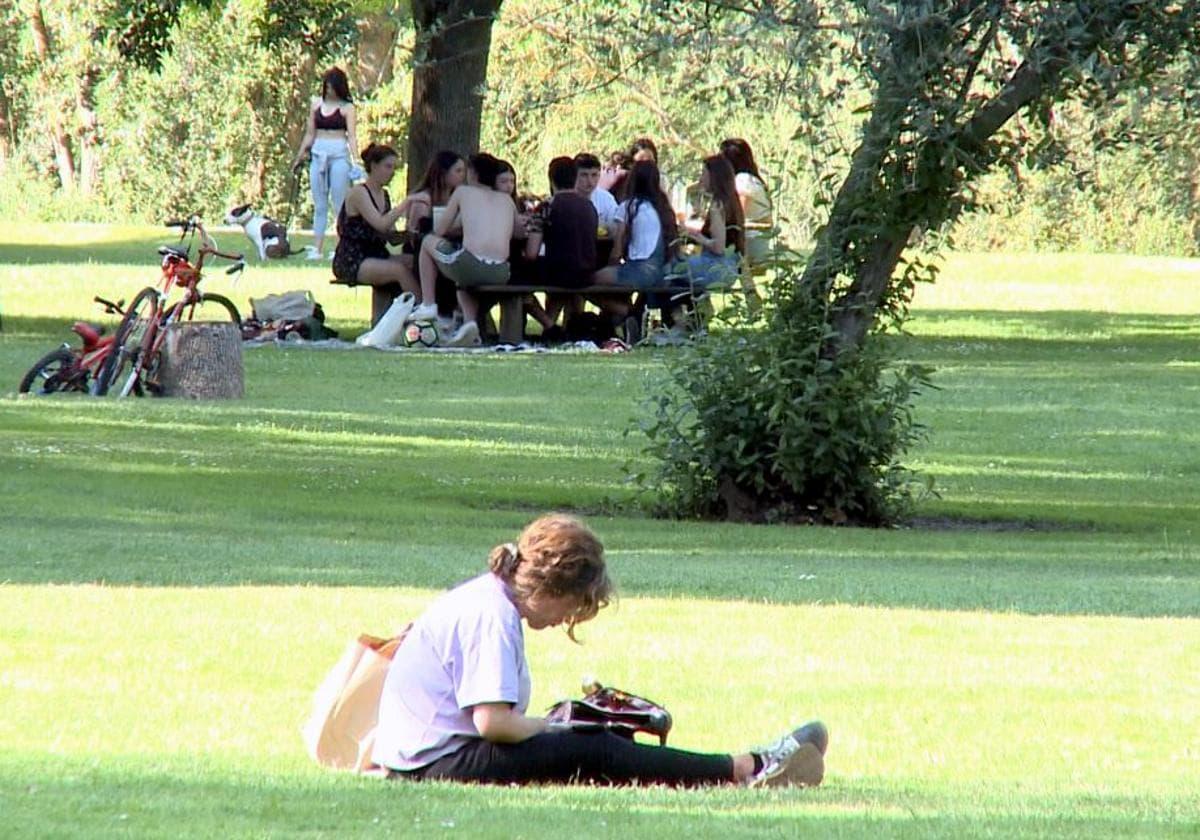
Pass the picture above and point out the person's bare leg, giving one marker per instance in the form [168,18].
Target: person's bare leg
[376,272]
[617,305]
[469,304]
[535,310]
[427,268]
[743,768]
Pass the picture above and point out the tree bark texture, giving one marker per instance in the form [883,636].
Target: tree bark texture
[202,360]
[450,64]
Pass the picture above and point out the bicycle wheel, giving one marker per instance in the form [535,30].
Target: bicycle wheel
[214,308]
[53,373]
[128,339]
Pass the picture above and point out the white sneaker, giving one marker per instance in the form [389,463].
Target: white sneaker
[426,311]
[466,336]
[311,253]
[797,758]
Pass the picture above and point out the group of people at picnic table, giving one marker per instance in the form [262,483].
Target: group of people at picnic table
[601,225]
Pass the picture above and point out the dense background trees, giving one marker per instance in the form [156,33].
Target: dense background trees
[130,109]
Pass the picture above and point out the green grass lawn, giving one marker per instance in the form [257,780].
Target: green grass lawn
[178,576]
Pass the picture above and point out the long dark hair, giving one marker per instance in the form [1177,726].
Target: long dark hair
[335,80]
[644,186]
[721,188]
[643,143]
[434,180]
[740,157]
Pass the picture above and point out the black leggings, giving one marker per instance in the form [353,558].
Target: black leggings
[596,757]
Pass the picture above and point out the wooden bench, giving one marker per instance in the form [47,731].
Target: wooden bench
[511,300]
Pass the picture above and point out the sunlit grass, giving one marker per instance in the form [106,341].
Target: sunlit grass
[938,717]
[1021,663]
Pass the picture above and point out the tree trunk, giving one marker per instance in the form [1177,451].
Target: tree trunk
[202,360]
[450,63]
[89,147]
[44,48]
[6,130]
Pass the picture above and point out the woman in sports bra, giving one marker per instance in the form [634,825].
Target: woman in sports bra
[367,222]
[329,136]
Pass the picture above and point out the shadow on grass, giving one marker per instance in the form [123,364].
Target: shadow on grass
[113,798]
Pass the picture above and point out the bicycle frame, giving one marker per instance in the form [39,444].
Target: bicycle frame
[177,271]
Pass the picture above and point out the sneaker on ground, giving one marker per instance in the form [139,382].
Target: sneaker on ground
[424,312]
[311,253]
[797,758]
[466,336]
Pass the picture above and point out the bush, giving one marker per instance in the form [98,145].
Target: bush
[758,422]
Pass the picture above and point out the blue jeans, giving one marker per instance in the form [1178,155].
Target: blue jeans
[706,269]
[329,174]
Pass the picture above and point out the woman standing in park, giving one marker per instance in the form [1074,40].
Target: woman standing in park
[367,222]
[455,698]
[721,236]
[329,137]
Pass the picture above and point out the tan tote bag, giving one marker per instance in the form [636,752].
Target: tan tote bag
[340,732]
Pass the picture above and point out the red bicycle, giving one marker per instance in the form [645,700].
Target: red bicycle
[70,368]
[139,338]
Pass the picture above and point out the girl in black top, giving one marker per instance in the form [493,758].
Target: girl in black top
[367,223]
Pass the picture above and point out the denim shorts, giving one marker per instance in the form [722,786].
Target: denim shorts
[642,274]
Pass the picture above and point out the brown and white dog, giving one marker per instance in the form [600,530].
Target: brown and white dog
[268,235]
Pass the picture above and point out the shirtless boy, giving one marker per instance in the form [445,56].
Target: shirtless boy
[486,217]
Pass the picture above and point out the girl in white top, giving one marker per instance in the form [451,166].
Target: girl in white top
[755,200]
[456,697]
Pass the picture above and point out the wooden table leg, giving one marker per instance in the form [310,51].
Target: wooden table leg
[512,319]
[381,300]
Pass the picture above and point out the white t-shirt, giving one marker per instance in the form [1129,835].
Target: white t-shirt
[755,199]
[606,206]
[647,228]
[467,648]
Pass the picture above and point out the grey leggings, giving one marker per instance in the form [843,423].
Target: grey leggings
[596,757]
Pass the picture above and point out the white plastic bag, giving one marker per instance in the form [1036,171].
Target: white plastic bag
[391,325]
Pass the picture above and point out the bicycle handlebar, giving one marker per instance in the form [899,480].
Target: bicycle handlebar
[108,305]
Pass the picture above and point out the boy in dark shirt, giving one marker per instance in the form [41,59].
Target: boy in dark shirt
[567,225]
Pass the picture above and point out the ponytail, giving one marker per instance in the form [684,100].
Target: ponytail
[503,561]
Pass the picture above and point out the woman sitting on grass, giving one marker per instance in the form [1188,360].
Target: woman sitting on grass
[455,698]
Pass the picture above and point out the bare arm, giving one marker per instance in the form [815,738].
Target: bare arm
[500,723]
[310,132]
[420,205]
[449,218]
[715,241]
[618,235]
[359,201]
[351,129]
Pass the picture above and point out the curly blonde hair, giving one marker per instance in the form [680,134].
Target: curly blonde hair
[556,556]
